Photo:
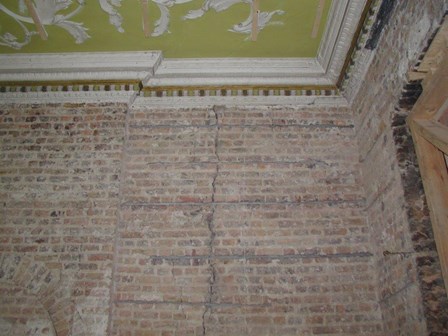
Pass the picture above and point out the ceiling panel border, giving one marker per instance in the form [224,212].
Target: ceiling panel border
[322,70]
[149,74]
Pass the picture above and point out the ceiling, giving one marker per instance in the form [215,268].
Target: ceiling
[176,48]
[179,28]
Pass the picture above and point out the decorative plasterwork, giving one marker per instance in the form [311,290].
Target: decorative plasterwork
[202,72]
[324,70]
[162,79]
[42,13]
[72,67]
[358,61]
[237,101]
[239,91]
[38,97]
[339,35]
[136,98]
[181,28]
[63,14]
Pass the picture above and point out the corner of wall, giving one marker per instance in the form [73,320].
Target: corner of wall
[407,263]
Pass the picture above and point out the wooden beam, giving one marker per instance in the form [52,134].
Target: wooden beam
[431,140]
[145,18]
[435,92]
[442,114]
[415,75]
[36,19]
[433,57]
[443,117]
[433,131]
[435,180]
[255,14]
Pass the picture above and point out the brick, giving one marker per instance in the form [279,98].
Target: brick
[396,207]
[218,221]
[54,201]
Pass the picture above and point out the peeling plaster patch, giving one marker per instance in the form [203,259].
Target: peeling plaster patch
[86,319]
[35,320]
[419,32]
[5,327]
[90,312]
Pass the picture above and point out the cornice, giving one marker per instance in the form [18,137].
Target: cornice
[339,35]
[238,101]
[74,75]
[320,71]
[137,99]
[126,97]
[238,71]
[73,67]
[239,90]
[359,58]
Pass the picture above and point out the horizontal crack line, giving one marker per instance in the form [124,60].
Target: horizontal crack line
[356,202]
[241,126]
[264,257]
[186,303]
[308,164]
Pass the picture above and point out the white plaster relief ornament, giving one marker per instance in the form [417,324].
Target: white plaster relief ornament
[49,14]
[47,11]
[245,27]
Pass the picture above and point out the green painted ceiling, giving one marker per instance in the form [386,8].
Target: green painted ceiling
[116,25]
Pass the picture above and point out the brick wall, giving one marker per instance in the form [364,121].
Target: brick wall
[58,210]
[184,222]
[257,221]
[244,222]
[411,292]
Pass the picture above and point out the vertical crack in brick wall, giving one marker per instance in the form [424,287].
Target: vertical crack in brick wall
[112,289]
[217,223]
[216,110]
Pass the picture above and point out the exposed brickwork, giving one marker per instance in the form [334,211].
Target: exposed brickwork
[412,296]
[268,221]
[242,222]
[25,292]
[431,285]
[59,196]
[186,222]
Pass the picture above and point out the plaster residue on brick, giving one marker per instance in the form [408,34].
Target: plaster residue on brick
[395,207]
[218,215]
[218,223]
[410,38]
[430,279]
[59,194]
[223,221]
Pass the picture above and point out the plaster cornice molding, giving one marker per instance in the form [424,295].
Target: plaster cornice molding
[339,35]
[79,66]
[29,72]
[238,71]
[322,70]
[238,101]
[126,97]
